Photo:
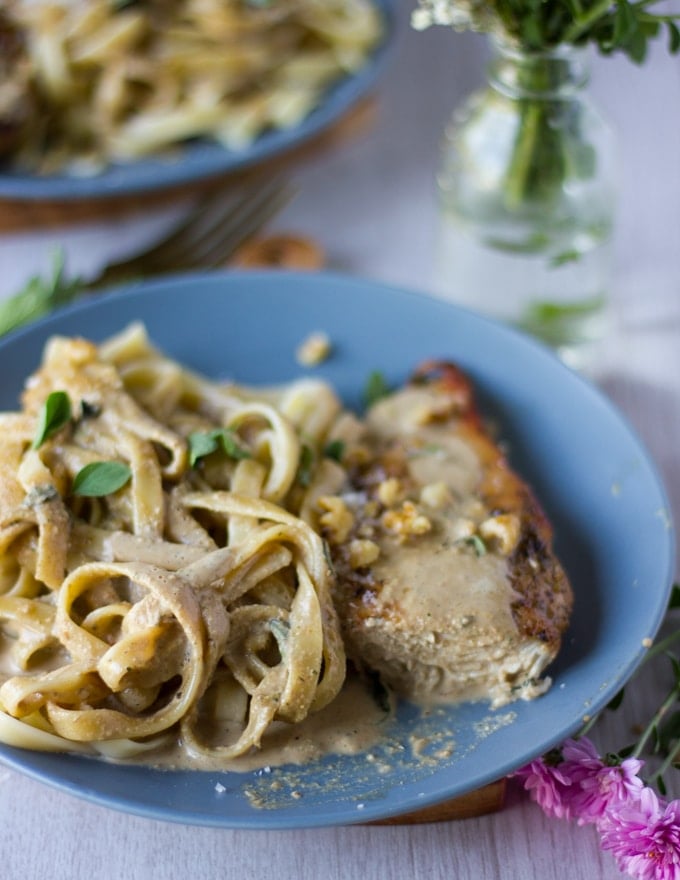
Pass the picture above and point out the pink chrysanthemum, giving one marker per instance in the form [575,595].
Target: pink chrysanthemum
[597,786]
[547,785]
[644,838]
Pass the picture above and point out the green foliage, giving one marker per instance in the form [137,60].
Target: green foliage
[38,297]
[610,25]
[100,478]
[619,26]
[222,439]
[659,739]
[55,413]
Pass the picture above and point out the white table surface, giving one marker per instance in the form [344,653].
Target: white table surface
[372,206]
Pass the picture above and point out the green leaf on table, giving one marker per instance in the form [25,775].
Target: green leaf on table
[38,297]
[673,37]
[101,478]
[674,601]
[55,413]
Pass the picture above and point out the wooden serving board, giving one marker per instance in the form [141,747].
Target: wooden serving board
[488,799]
[23,214]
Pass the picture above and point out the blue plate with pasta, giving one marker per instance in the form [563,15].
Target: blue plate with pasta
[148,132]
[591,473]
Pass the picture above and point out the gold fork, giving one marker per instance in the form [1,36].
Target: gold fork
[207,238]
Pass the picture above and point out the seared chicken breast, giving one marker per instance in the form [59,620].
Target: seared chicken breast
[448,586]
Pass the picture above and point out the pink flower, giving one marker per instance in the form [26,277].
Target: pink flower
[574,782]
[644,838]
[598,786]
[547,784]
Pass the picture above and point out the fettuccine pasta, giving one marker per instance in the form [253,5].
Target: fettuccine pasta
[88,82]
[184,593]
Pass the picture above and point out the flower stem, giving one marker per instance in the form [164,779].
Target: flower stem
[654,721]
[668,762]
[663,645]
[581,25]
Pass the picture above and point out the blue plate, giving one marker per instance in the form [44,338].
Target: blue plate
[201,159]
[595,480]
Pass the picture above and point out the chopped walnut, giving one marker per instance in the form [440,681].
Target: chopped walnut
[338,519]
[462,529]
[406,521]
[362,553]
[436,495]
[437,409]
[390,492]
[313,350]
[503,531]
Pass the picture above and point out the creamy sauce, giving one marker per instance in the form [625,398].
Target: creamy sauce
[440,627]
[438,580]
[439,624]
[351,724]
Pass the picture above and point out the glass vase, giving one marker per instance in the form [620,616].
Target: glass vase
[527,198]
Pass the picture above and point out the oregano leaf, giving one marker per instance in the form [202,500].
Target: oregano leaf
[55,413]
[100,478]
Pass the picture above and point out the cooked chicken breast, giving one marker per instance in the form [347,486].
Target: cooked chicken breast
[448,584]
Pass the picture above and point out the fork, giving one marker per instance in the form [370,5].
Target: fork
[206,239]
[209,235]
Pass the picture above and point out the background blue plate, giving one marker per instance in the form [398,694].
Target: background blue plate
[200,159]
[610,513]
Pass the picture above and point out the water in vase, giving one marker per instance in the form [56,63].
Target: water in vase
[551,284]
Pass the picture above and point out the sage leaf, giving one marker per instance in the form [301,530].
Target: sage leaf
[101,478]
[55,413]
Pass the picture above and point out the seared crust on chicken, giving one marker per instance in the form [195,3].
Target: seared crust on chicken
[448,584]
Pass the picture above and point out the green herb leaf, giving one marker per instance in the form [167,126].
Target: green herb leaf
[205,443]
[674,601]
[476,543]
[231,446]
[376,388]
[101,478]
[55,413]
[673,37]
[335,450]
[305,465]
[38,297]
[616,700]
[200,445]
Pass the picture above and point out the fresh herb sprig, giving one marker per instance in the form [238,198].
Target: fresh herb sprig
[39,296]
[626,26]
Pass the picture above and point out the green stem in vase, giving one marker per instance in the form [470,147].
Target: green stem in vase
[536,171]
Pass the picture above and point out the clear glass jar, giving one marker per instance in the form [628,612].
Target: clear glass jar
[527,200]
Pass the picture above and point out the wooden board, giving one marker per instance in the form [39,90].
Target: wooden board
[485,800]
[24,214]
